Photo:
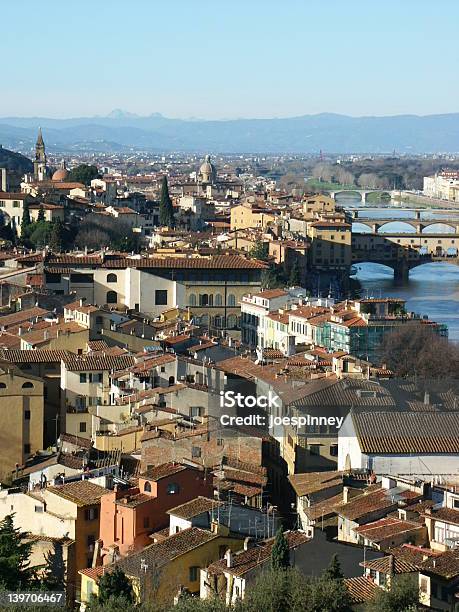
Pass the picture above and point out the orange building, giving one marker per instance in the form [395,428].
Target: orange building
[128,517]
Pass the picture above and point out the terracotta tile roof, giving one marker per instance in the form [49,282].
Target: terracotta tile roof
[76,440]
[97,345]
[36,356]
[85,363]
[367,503]
[161,553]
[312,482]
[94,572]
[324,508]
[80,492]
[387,528]
[387,565]
[407,432]
[361,589]
[42,335]
[445,565]
[9,341]
[447,515]
[163,471]
[246,560]
[196,506]
[23,315]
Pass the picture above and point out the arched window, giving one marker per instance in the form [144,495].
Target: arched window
[218,300]
[27,385]
[204,299]
[147,487]
[232,321]
[112,278]
[218,321]
[211,299]
[2,385]
[231,300]
[171,381]
[205,320]
[192,299]
[112,297]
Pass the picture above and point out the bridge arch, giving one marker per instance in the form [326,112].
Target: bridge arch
[383,229]
[349,192]
[438,227]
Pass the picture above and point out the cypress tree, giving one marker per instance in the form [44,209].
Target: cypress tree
[14,556]
[54,573]
[295,276]
[25,215]
[333,571]
[280,553]
[41,214]
[166,210]
[56,237]
[114,585]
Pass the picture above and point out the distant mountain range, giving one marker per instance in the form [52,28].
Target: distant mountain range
[330,133]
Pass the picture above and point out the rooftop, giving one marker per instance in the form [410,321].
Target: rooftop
[82,492]
[194,507]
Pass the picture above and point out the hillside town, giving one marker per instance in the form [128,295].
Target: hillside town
[193,394]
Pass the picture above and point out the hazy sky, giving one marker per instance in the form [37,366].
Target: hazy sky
[228,58]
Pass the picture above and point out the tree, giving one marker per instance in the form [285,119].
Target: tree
[280,553]
[14,556]
[295,275]
[333,571]
[115,584]
[41,234]
[259,250]
[271,279]
[166,210]
[41,214]
[403,596]
[25,215]
[83,173]
[56,237]
[419,351]
[53,578]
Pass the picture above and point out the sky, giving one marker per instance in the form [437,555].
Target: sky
[228,58]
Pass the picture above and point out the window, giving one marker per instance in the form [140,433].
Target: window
[147,487]
[90,514]
[231,300]
[2,385]
[219,441]
[204,299]
[218,300]
[81,278]
[82,377]
[38,508]
[27,415]
[112,278]
[192,299]
[27,449]
[173,488]
[161,297]
[82,427]
[194,571]
[27,385]
[195,451]
[112,297]
[334,450]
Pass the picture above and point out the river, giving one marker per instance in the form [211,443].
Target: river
[432,289]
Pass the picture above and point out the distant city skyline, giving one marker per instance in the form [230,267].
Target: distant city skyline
[229,60]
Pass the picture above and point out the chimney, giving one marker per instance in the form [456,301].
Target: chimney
[391,565]
[20,331]
[426,398]
[345,495]
[229,558]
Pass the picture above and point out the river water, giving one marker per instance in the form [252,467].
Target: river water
[432,289]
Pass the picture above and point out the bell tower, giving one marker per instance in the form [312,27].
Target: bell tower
[39,164]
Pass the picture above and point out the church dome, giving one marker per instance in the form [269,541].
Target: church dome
[61,174]
[207,172]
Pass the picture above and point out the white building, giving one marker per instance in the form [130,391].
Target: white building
[422,443]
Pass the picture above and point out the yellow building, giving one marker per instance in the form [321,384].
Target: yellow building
[249,215]
[160,570]
[330,245]
[22,410]
[318,205]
